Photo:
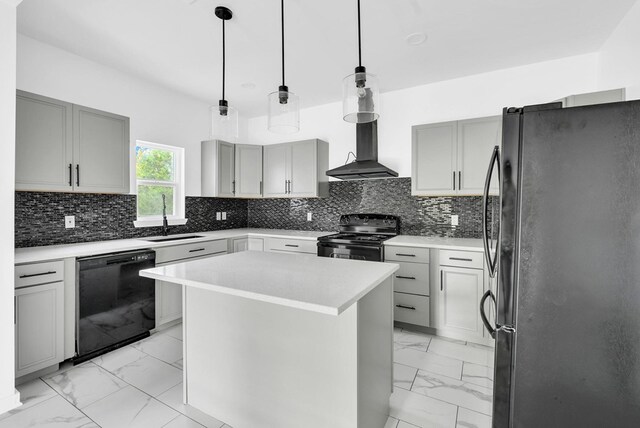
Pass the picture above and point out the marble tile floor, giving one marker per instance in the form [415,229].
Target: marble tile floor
[437,383]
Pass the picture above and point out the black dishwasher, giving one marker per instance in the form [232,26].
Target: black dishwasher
[114,305]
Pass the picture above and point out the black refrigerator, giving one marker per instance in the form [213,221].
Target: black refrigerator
[567,325]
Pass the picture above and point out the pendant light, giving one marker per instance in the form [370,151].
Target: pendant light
[360,92]
[284,106]
[224,119]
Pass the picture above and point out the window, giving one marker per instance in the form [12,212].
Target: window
[159,171]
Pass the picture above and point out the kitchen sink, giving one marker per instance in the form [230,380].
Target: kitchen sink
[172,238]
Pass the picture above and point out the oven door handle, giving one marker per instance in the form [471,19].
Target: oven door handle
[349,246]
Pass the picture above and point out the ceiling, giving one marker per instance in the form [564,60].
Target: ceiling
[177,43]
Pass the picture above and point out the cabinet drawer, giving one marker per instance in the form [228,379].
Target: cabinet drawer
[468,259]
[38,273]
[187,251]
[293,245]
[411,309]
[412,278]
[406,254]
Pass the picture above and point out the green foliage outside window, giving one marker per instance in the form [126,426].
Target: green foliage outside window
[158,166]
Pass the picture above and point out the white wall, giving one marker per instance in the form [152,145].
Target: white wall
[619,56]
[475,96]
[157,114]
[8,395]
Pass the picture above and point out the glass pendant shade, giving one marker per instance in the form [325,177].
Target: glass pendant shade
[360,97]
[224,126]
[284,112]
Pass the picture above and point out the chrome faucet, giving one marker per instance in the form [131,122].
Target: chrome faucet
[165,222]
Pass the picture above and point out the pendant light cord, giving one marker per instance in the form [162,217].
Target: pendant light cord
[359,42]
[223,59]
[282,18]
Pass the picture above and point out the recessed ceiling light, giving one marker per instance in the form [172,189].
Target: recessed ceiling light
[415,39]
[248,85]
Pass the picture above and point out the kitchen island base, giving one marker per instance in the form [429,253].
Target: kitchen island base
[257,364]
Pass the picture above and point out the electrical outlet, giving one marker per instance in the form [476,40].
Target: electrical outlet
[69,221]
[454,220]
[224,215]
[218,216]
[309,216]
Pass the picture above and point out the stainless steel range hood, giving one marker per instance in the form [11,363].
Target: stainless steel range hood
[366,164]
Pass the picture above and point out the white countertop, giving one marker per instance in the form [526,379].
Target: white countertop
[463,244]
[318,284]
[57,252]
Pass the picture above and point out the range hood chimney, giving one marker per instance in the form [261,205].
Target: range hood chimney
[366,164]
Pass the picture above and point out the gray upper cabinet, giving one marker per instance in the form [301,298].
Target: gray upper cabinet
[218,169]
[296,169]
[101,151]
[65,147]
[452,158]
[248,174]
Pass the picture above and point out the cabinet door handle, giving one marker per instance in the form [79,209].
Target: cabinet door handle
[406,307]
[234,187]
[441,289]
[196,250]
[460,259]
[78,175]
[70,175]
[261,188]
[289,183]
[285,186]
[454,180]
[30,275]
[405,277]
[291,245]
[459,180]
[405,255]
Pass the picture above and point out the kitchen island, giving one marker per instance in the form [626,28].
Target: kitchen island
[285,340]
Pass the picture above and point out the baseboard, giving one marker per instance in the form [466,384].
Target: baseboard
[10,402]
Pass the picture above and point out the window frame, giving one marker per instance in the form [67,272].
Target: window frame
[178,185]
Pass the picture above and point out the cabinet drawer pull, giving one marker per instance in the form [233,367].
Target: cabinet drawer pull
[291,245]
[405,277]
[196,250]
[30,275]
[405,255]
[406,307]
[460,259]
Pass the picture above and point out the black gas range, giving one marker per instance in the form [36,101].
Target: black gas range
[361,237]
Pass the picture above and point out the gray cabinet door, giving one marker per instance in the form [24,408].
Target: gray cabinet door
[39,312]
[433,159]
[460,292]
[303,167]
[44,143]
[101,151]
[226,170]
[275,162]
[248,171]
[476,140]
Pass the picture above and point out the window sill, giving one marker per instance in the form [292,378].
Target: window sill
[158,222]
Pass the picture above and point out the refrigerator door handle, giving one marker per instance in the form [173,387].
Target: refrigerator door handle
[491,261]
[483,315]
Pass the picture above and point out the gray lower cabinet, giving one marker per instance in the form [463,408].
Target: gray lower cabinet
[70,148]
[291,245]
[452,158]
[461,287]
[411,284]
[169,295]
[39,316]
[239,244]
[296,169]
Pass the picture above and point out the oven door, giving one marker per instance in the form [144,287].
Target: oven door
[350,251]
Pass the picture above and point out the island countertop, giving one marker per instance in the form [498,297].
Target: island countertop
[318,284]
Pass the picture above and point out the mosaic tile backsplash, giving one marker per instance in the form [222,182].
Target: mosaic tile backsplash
[427,216]
[39,218]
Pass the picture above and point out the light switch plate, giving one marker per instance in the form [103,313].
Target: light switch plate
[454,220]
[218,216]
[224,215]
[69,221]
[309,216]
